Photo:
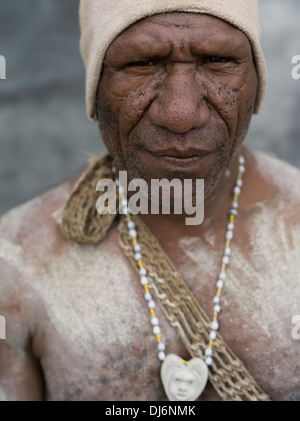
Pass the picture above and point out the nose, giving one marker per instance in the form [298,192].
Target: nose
[180,104]
[182,387]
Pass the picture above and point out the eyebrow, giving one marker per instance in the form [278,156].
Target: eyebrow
[216,43]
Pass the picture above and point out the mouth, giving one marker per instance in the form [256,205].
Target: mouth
[181,395]
[181,159]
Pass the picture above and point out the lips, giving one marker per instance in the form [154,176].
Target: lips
[181,159]
[181,154]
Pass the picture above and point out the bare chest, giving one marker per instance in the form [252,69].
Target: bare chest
[97,342]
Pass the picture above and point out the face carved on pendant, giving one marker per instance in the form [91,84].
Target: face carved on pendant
[183,381]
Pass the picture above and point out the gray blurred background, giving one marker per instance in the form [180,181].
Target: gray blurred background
[43,125]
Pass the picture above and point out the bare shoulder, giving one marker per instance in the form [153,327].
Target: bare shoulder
[31,221]
[282,176]
[29,240]
[274,185]
[30,237]
[271,213]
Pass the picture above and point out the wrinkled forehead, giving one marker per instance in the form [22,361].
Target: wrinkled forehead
[193,28]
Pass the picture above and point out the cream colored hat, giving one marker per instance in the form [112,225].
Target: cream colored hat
[101,21]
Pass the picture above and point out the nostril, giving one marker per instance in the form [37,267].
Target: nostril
[180,104]
[179,116]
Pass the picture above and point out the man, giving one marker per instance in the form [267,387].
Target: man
[177,90]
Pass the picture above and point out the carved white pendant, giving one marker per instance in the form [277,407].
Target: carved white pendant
[183,381]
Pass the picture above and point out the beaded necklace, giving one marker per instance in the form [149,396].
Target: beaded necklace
[184,380]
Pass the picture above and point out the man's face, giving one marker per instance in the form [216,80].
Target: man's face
[183,386]
[176,97]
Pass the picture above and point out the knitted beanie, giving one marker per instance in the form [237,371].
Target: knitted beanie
[101,21]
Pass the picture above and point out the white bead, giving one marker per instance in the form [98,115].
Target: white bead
[208,351]
[137,256]
[161,356]
[214,325]
[225,260]
[156,330]
[241,169]
[208,361]
[123,203]
[222,275]
[130,225]
[151,304]
[236,190]
[216,300]
[137,247]
[227,251]
[132,233]
[161,346]
[114,169]
[144,280]
[217,308]
[235,205]
[125,210]
[148,296]
[239,182]
[117,183]
[220,283]
[230,226]
[229,235]
[121,190]
[241,160]
[213,335]
[154,321]
[233,212]
[143,271]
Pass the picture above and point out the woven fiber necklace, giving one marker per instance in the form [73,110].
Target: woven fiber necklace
[184,380]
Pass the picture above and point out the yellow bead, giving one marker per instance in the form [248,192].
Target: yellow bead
[158,338]
[140,263]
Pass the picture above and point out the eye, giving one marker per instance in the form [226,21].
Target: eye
[142,63]
[217,59]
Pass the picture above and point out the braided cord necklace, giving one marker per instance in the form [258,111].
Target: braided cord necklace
[184,380]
